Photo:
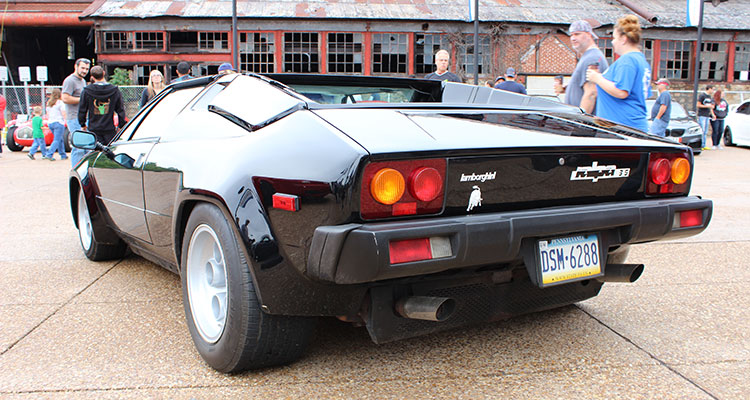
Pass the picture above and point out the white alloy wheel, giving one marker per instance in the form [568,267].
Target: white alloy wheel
[207,283]
[84,222]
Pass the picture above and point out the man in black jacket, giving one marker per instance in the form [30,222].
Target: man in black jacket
[99,102]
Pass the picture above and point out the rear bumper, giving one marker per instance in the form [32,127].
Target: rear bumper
[359,253]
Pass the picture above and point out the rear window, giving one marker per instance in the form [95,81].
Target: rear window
[354,94]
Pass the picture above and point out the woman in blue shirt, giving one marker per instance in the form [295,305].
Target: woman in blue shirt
[624,87]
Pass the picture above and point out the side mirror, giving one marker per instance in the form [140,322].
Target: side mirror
[84,140]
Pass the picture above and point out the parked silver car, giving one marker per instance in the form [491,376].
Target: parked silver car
[737,126]
[682,127]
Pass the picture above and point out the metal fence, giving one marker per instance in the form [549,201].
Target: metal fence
[22,99]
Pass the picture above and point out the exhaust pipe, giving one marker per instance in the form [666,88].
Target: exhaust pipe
[627,273]
[426,308]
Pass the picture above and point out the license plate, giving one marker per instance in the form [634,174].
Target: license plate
[569,258]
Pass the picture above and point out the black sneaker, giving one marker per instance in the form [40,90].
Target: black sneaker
[31,156]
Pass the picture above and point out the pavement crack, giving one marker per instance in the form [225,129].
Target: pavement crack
[12,345]
[654,357]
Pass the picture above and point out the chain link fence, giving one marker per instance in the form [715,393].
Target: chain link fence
[22,99]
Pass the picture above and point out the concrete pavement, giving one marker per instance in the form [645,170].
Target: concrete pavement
[72,328]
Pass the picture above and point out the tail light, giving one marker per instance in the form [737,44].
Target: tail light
[668,173]
[395,188]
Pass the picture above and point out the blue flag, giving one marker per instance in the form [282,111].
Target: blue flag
[693,13]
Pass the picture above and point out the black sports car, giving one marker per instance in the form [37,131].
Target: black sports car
[405,205]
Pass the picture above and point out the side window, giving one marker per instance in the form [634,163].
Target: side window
[744,108]
[159,117]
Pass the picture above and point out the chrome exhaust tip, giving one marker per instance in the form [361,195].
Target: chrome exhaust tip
[426,308]
[627,273]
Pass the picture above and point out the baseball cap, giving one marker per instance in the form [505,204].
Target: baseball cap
[225,67]
[500,78]
[581,26]
[510,72]
[664,81]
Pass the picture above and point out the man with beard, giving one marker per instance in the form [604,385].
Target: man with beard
[71,95]
[580,92]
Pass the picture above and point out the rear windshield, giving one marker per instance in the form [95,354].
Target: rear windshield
[354,94]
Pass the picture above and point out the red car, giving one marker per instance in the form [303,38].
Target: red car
[20,135]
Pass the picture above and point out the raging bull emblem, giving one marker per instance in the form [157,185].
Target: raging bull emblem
[101,107]
[475,199]
[596,172]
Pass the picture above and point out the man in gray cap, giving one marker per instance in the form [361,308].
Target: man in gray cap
[579,92]
[660,112]
[510,83]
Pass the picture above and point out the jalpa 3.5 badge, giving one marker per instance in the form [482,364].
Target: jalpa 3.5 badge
[596,172]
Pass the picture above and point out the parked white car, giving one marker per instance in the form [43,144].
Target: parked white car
[737,126]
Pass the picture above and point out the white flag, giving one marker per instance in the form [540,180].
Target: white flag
[693,13]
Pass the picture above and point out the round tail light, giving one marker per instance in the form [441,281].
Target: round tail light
[425,183]
[387,186]
[680,170]
[660,170]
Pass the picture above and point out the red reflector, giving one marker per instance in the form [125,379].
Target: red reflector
[287,202]
[426,183]
[660,170]
[405,208]
[403,251]
[691,218]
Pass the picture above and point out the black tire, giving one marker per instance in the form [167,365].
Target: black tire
[232,334]
[94,249]
[10,139]
[67,140]
[728,137]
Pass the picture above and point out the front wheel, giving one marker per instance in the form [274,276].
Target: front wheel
[10,139]
[728,137]
[94,249]
[223,314]
[67,140]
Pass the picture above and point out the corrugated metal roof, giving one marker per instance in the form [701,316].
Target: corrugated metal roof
[671,13]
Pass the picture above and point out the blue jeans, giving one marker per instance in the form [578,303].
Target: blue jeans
[58,129]
[76,154]
[38,144]
[704,122]
[658,127]
[717,126]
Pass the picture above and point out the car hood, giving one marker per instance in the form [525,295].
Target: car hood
[388,131]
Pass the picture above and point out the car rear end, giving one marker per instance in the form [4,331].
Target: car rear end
[459,236]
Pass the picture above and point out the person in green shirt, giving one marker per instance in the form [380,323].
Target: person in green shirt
[38,135]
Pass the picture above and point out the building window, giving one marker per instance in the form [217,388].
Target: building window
[183,41]
[713,61]
[257,52]
[605,45]
[149,40]
[213,41]
[674,62]
[425,47]
[389,53]
[142,73]
[206,69]
[301,52]
[345,52]
[647,46]
[466,55]
[742,61]
[114,41]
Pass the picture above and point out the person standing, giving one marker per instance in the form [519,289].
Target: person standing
[622,90]
[38,134]
[510,84]
[580,92]
[442,62]
[705,112]
[226,68]
[662,110]
[721,108]
[99,102]
[183,72]
[56,123]
[2,118]
[154,86]
[71,94]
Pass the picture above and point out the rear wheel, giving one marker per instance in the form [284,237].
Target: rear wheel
[93,248]
[10,139]
[728,137]
[223,314]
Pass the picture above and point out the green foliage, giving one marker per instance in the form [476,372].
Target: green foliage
[121,77]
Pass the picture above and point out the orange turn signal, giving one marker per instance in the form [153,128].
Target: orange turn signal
[387,186]
[680,170]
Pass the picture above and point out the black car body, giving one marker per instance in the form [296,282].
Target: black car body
[406,205]
[682,127]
